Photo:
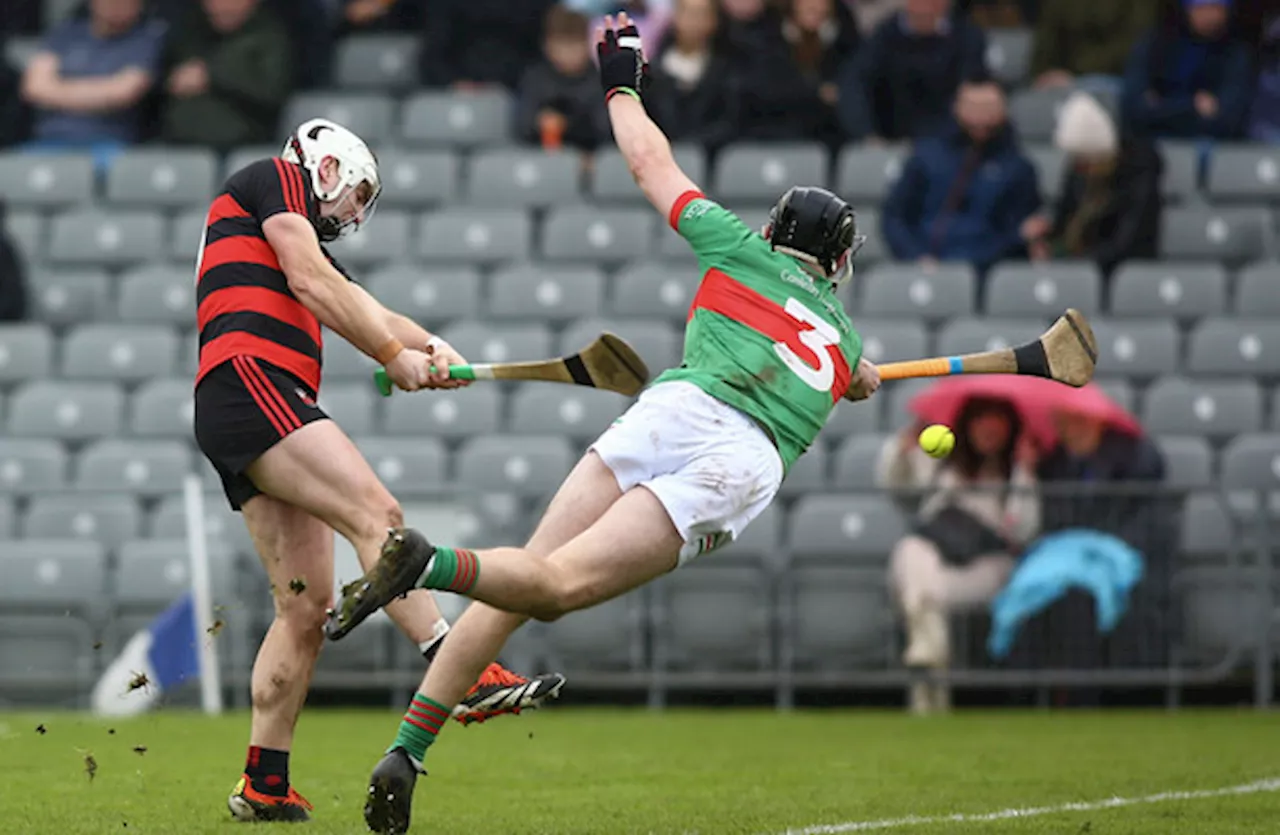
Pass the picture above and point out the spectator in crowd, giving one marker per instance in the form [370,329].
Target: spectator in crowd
[1264,119]
[13,113]
[790,90]
[1109,211]
[230,76]
[1000,14]
[1192,80]
[905,77]
[982,509]
[964,196]
[379,15]
[1086,42]
[560,101]
[13,291]
[90,77]
[473,43]
[20,17]
[694,95]
[651,17]
[752,27]
[869,14]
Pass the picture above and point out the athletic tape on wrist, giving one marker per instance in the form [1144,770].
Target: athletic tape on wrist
[388,351]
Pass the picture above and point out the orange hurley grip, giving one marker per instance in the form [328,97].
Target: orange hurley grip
[936,367]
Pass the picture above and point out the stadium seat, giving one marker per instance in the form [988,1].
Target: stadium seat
[1235,346]
[604,638]
[186,235]
[865,175]
[377,62]
[447,414]
[71,411]
[157,294]
[1050,165]
[760,543]
[343,361]
[598,234]
[98,238]
[577,413]
[654,290]
[1137,347]
[414,469]
[163,408]
[657,343]
[857,459]
[8,519]
[1163,289]
[714,614]
[896,414]
[351,406]
[26,352]
[1222,610]
[1252,462]
[32,466]
[1035,112]
[1043,289]
[418,179]
[1120,390]
[1258,290]
[908,291]
[1216,408]
[149,468]
[43,181]
[844,528]
[966,336]
[246,155]
[28,231]
[748,171]
[369,114]
[384,240]
[223,527]
[836,618]
[611,181]
[1245,173]
[475,235]
[62,297]
[62,575]
[1009,55]
[168,177]
[875,248]
[431,295]
[848,418]
[119,352]
[1188,462]
[1215,234]
[107,519]
[1207,529]
[808,474]
[151,573]
[524,465]
[545,292]
[886,340]
[508,177]
[1181,177]
[458,119]
[482,342]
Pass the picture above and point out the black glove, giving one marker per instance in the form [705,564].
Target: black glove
[622,63]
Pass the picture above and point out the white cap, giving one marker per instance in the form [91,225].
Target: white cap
[1085,128]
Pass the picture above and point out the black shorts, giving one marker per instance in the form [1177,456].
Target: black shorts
[243,408]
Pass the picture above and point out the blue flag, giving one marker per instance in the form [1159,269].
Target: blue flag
[165,652]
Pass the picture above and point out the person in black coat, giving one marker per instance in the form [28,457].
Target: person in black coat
[478,42]
[694,94]
[559,101]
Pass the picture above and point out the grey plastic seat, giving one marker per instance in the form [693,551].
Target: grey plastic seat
[351,406]
[1120,390]
[157,294]
[856,461]
[163,408]
[760,543]
[28,231]
[1181,177]
[864,176]
[475,235]
[385,239]
[60,575]
[845,528]
[68,296]
[480,342]
[547,292]
[223,527]
[837,618]
[432,295]
[169,177]
[608,637]
[1223,610]
[26,352]
[8,519]
[408,469]
[1035,112]
[1245,173]
[1050,165]
[186,235]
[596,234]
[763,172]
[1207,529]
[1167,288]
[119,352]
[525,465]
[1043,289]
[418,179]
[1216,408]
[377,62]
[246,155]
[149,468]
[32,466]
[577,413]
[1009,55]
[611,181]
[1137,347]
[459,119]
[46,180]
[447,414]
[714,615]
[1258,290]
[875,249]
[965,336]
[152,573]
[896,414]
[369,114]
[907,291]
[808,474]
[885,340]
[657,343]
[107,519]
[1219,234]
[97,238]
[848,418]
[654,290]
[1252,462]
[509,177]
[71,411]
[343,361]
[1188,462]
[1235,346]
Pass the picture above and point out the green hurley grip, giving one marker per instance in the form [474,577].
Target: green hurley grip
[456,372]
[383,380]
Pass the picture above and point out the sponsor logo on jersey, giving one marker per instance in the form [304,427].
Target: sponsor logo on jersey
[697,208]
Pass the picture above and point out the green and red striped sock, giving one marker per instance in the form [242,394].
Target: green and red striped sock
[419,727]
[452,569]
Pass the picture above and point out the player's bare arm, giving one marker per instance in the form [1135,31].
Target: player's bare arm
[866,381]
[44,86]
[410,333]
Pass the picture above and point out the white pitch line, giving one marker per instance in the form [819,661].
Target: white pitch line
[1256,787]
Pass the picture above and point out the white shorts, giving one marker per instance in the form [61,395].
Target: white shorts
[712,467]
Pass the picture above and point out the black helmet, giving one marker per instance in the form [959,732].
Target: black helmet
[817,226]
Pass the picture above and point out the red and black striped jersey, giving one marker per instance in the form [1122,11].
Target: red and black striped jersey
[244,306]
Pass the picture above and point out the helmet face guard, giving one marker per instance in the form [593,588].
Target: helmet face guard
[817,227]
[320,139]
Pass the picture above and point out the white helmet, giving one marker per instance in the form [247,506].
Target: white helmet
[317,139]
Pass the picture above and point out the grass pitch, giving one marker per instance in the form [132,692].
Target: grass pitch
[708,772]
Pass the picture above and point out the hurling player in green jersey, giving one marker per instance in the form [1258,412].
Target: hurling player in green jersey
[768,352]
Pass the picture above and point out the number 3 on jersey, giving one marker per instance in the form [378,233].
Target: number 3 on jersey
[820,339]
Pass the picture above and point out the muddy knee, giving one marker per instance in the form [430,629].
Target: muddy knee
[303,610]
